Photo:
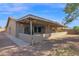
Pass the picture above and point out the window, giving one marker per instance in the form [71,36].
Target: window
[37,29]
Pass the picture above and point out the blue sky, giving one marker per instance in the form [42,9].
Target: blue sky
[49,11]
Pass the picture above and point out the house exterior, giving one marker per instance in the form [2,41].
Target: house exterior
[31,27]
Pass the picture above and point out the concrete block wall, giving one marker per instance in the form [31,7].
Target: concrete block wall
[25,37]
[40,37]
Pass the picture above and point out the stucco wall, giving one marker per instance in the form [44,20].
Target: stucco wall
[19,28]
[11,29]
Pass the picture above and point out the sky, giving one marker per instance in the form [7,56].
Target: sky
[51,11]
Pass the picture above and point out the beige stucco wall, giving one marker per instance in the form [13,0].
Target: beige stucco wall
[11,29]
[50,29]
[20,27]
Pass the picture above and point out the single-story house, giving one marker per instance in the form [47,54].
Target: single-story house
[32,27]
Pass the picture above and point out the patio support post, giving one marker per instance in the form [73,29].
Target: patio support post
[31,27]
[31,31]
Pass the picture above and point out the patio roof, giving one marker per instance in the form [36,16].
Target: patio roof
[38,18]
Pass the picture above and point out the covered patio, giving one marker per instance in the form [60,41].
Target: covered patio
[36,29]
[35,26]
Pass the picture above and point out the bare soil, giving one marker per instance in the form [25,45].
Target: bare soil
[67,46]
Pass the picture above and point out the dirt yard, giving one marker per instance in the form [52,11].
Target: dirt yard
[67,46]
